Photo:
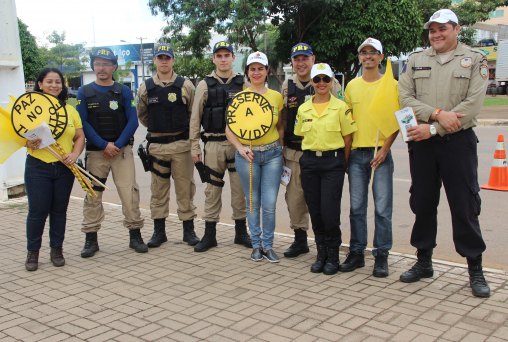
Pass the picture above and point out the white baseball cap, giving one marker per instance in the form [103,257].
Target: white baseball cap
[442,16]
[376,44]
[257,57]
[321,69]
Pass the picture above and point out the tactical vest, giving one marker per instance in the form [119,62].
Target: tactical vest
[295,97]
[167,113]
[219,97]
[106,112]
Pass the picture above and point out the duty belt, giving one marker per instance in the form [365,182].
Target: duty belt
[167,139]
[294,145]
[207,138]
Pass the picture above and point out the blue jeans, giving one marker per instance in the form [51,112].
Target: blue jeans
[48,188]
[382,191]
[266,173]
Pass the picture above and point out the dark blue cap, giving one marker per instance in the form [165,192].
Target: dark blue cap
[164,49]
[222,45]
[301,49]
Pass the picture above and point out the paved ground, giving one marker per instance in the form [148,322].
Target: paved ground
[174,294]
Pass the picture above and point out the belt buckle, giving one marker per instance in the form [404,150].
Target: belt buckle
[319,153]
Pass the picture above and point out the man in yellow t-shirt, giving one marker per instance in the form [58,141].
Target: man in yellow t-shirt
[359,94]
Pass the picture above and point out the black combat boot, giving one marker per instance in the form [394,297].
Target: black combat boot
[353,261]
[477,281]
[159,233]
[299,246]
[241,235]
[32,261]
[319,264]
[209,240]
[136,241]
[189,235]
[380,264]
[56,256]
[332,261]
[91,245]
[421,269]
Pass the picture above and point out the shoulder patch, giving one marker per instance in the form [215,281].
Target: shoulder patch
[481,52]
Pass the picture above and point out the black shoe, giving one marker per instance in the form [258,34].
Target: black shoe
[353,261]
[332,261]
[421,269]
[477,281]
[319,264]
[32,261]
[91,245]
[478,284]
[159,233]
[56,256]
[241,235]
[189,235]
[299,246]
[256,255]
[270,255]
[136,241]
[380,264]
[209,240]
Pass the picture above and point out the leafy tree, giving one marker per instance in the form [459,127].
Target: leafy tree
[70,59]
[30,56]
[193,67]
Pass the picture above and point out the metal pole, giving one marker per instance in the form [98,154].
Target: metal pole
[142,58]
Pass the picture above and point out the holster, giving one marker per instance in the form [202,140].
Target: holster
[204,173]
[144,155]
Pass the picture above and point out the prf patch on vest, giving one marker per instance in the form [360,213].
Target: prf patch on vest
[466,62]
[171,97]
[292,102]
[153,100]
[484,69]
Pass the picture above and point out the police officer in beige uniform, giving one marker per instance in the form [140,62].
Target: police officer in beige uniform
[296,91]
[213,95]
[109,120]
[445,85]
[164,107]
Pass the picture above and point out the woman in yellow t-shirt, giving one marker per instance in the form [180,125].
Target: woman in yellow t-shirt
[326,125]
[266,158]
[48,182]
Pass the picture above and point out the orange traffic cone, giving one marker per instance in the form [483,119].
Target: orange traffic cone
[498,179]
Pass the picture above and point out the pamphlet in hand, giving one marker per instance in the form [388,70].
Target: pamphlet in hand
[406,118]
[286,176]
[40,132]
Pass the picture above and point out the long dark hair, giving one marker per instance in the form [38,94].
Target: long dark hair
[42,75]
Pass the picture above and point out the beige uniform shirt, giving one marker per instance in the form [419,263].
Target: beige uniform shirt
[142,107]
[457,85]
[198,107]
[290,153]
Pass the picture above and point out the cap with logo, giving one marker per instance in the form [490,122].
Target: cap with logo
[301,49]
[321,69]
[104,53]
[257,57]
[222,45]
[164,49]
[376,44]
[442,16]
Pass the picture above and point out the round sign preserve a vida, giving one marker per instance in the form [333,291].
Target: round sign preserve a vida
[32,109]
[249,115]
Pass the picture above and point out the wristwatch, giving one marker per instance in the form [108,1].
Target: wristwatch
[433,130]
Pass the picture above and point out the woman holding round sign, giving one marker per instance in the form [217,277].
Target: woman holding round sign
[326,125]
[48,181]
[253,127]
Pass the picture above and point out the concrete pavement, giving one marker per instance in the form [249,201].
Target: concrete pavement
[174,294]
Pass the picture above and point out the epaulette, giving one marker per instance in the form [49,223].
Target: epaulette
[416,51]
[480,51]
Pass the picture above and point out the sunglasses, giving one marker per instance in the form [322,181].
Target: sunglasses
[325,78]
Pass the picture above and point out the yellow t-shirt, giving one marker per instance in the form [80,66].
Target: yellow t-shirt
[66,140]
[324,132]
[358,96]
[320,107]
[277,102]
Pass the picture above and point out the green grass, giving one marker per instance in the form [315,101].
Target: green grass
[499,100]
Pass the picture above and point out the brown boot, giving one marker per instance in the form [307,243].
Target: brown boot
[57,257]
[32,261]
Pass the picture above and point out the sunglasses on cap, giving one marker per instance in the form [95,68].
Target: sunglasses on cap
[325,78]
